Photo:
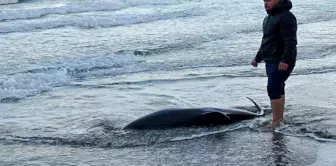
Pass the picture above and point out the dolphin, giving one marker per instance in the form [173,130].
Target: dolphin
[184,117]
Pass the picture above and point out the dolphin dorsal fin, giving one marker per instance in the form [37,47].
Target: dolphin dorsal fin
[260,110]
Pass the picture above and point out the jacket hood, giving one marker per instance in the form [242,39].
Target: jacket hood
[283,5]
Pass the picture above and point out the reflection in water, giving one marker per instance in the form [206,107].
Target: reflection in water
[279,149]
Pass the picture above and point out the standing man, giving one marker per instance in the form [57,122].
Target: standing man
[278,50]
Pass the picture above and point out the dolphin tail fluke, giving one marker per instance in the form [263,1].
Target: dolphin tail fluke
[260,110]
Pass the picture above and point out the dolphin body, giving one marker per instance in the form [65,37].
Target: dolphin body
[183,117]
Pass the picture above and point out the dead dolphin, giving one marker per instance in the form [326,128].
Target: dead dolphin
[183,117]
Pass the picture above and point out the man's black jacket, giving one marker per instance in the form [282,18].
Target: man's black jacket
[279,35]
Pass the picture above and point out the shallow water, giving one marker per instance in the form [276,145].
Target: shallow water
[73,73]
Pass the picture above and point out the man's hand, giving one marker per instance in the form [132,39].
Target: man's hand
[254,63]
[283,66]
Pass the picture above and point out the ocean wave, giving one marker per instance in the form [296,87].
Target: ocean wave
[162,49]
[15,87]
[35,81]
[186,70]
[31,13]
[5,2]
[95,21]
[31,82]
[97,66]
